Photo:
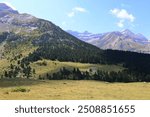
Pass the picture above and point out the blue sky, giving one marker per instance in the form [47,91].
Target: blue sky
[96,16]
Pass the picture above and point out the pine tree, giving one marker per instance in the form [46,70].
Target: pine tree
[6,74]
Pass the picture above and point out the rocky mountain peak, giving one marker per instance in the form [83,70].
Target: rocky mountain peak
[6,9]
[127,32]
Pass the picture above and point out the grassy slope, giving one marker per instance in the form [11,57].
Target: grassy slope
[4,65]
[54,66]
[85,90]
[23,49]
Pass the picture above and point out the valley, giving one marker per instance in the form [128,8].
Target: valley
[39,60]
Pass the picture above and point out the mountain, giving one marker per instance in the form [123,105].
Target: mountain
[40,39]
[136,37]
[4,10]
[85,36]
[124,40]
[25,39]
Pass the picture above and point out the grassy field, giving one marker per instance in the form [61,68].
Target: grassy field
[54,66]
[74,90]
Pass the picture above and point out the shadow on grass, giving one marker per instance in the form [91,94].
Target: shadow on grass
[18,82]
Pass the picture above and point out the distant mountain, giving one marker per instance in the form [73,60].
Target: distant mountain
[124,40]
[136,37]
[85,36]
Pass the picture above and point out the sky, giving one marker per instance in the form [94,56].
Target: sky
[95,16]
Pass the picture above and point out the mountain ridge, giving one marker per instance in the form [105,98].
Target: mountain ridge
[117,40]
[5,9]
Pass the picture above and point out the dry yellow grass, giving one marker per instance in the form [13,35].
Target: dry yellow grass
[74,90]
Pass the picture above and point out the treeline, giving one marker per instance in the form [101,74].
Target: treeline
[76,74]
[135,62]
[65,52]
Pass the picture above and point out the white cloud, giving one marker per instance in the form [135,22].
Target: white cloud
[122,14]
[124,17]
[120,24]
[76,10]
[10,5]
[79,9]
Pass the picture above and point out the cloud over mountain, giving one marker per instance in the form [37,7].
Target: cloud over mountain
[123,15]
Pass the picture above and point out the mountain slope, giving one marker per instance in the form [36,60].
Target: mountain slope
[24,32]
[125,40]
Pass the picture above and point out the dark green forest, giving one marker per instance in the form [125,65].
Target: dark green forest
[75,74]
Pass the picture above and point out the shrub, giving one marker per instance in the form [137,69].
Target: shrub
[44,63]
[20,89]
[6,92]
